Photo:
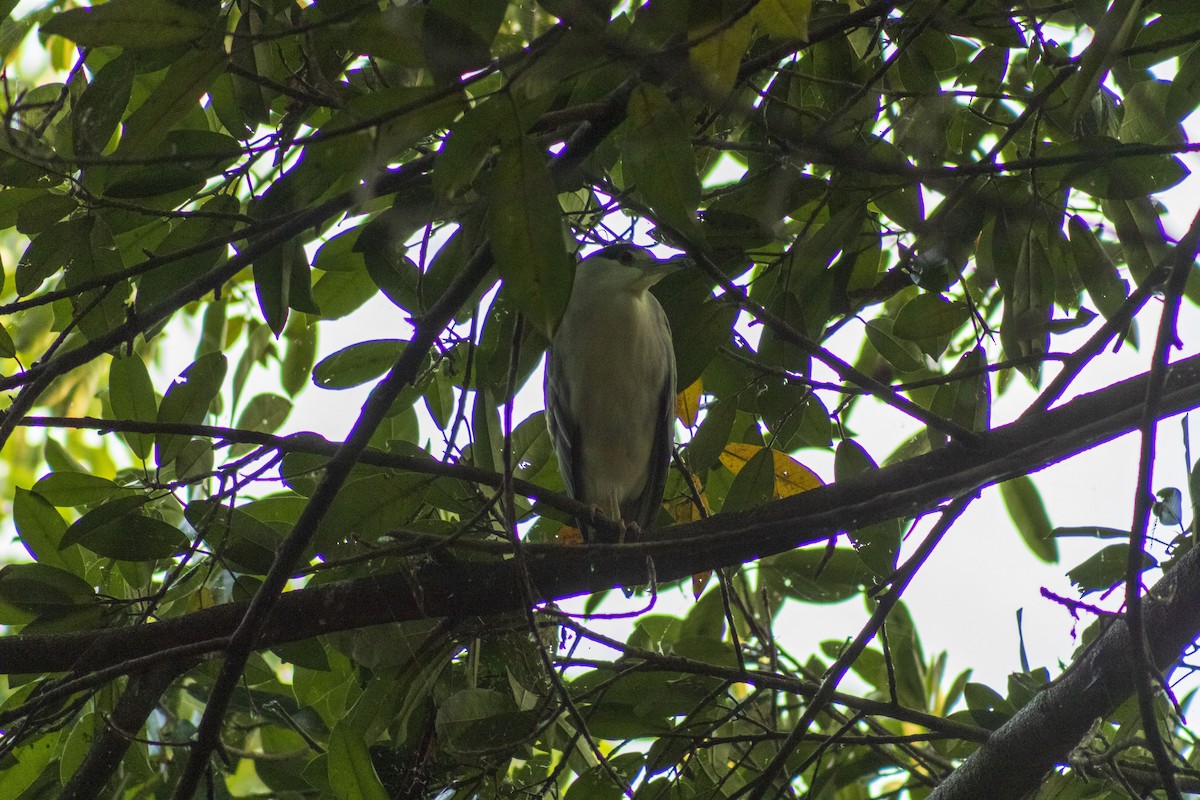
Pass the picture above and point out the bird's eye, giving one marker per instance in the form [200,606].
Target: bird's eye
[626,257]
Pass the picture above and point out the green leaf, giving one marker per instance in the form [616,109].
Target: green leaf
[1184,94]
[531,446]
[296,369]
[966,401]
[450,45]
[40,529]
[352,776]
[474,722]
[195,460]
[29,762]
[1194,490]
[1028,514]
[783,18]
[187,401]
[41,589]
[393,35]
[712,435]
[133,24]
[580,13]
[1096,270]
[525,226]
[396,275]
[118,530]
[371,129]
[488,438]
[1106,569]
[66,489]
[8,348]
[369,506]
[186,160]
[76,747]
[439,399]
[264,413]
[877,545]
[185,82]
[235,536]
[472,139]
[597,782]
[131,397]
[754,484]
[102,309]
[49,252]
[163,282]
[697,332]
[358,363]
[657,159]
[1110,176]
[717,55]
[99,109]
[901,354]
[817,575]
[1094,531]
[927,316]
[43,210]
[339,294]
[282,281]
[988,707]
[483,17]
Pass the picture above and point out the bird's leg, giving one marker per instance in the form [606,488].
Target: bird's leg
[596,513]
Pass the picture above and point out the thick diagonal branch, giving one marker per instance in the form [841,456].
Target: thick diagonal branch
[448,587]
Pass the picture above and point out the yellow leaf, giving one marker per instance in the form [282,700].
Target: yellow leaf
[791,477]
[737,454]
[202,599]
[683,508]
[569,535]
[687,403]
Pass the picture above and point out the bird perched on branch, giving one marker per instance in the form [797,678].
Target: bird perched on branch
[610,387]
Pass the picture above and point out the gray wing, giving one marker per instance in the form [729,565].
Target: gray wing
[645,507]
[564,430]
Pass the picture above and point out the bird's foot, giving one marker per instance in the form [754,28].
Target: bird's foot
[630,531]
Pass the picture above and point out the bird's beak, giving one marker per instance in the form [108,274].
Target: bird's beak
[674,264]
[657,271]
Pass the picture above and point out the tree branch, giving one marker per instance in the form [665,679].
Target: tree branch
[116,733]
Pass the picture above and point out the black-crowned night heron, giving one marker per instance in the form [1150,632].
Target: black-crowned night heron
[610,387]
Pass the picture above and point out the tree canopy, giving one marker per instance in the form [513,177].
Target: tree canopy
[210,602]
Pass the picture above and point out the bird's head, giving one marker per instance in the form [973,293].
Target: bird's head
[625,266]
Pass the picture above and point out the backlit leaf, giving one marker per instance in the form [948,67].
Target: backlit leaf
[1028,515]
[130,23]
[187,402]
[657,157]
[526,234]
[131,397]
